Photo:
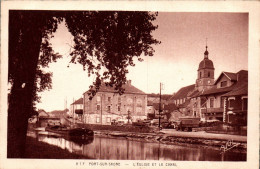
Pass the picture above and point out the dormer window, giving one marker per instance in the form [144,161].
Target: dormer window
[223,84]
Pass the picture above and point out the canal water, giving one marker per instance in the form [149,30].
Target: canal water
[110,148]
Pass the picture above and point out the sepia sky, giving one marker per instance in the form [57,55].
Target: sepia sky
[175,61]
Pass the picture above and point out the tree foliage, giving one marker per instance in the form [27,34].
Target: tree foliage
[106,43]
[110,41]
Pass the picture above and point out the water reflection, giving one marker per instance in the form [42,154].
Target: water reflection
[124,149]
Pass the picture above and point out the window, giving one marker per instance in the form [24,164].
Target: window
[139,103]
[98,98]
[211,101]
[231,103]
[109,99]
[108,108]
[129,101]
[98,107]
[98,120]
[118,108]
[223,84]
[208,74]
[119,99]
[200,74]
[108,119]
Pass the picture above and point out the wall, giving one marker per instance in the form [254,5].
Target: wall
[195,107]
[75,107]
[136,104]
[217,101]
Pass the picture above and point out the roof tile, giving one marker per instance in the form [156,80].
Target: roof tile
[129,89]
[184,92]
[79,101]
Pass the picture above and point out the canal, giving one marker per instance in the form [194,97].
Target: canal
[114,148]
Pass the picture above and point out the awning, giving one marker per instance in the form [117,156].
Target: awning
[79,111]
[230,112]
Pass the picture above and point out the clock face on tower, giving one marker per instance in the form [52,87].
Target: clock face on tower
[208,81]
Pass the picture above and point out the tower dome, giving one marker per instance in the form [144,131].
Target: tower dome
[206,63]
[206,70]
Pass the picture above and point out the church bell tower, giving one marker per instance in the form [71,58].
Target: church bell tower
[205,78]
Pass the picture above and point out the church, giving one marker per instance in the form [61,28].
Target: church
[222,99]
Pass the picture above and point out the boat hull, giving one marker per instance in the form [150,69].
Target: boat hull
[76,132]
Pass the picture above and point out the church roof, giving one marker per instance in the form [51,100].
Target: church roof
[206,64]
[185,104]
[194,93]
[183,92]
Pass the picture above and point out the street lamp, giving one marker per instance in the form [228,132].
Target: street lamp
[128,116]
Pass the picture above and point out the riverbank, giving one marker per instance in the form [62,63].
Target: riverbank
[171,136]
[197,139]
[40,150]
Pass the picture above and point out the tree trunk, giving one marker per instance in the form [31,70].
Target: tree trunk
[21,96]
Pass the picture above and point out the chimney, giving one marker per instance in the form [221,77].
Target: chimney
[128,82]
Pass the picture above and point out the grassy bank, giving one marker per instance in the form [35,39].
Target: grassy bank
[40,150]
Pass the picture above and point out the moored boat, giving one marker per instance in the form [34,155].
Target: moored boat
[74,132]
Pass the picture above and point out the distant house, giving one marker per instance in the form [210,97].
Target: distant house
[182,95]
[42,113]
[107,105]
[153,101]
[151,111]
[45,118]
[182,99]
[76,109]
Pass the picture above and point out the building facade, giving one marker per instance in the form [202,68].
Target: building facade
[227,98]
[107,105]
